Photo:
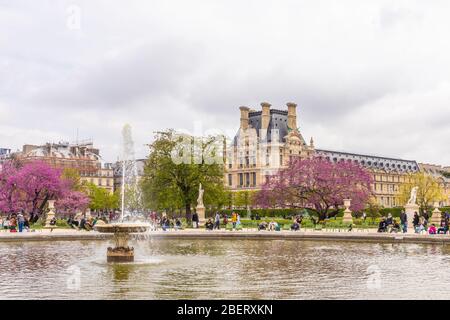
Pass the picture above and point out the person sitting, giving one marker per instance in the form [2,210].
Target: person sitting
[443,228]
[6,224]
[262,226]
[82,223]
[72,223]
[89,225]
[389,220]
[225,220]
[432,229]
[273,226]
[395,227]
[382,227]
[295,226]
[420,228]
[178,224]
[165,224]
[209,225]
[12,224]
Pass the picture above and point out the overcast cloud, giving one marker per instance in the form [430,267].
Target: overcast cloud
[370,77]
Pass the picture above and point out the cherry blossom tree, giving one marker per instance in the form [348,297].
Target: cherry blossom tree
[319,185]
[72,202]
[9,191]
[29,188]
[38,183]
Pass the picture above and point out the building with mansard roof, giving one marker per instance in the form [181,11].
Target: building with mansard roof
[81,156]
[268,138]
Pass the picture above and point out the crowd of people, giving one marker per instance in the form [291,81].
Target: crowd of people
[215,223]
[420,224]
[19,222]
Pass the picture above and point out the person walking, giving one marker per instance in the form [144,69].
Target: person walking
[234,220]
[404,221]
[416,220]
[20,221]
[195,220]
[217,221]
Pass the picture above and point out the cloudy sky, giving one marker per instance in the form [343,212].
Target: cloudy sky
[369,76]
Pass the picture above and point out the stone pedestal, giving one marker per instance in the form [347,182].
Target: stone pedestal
[50,215]
[88,214]
[437,216]
[410,209]
[121,251]
[347,212]
[201,214]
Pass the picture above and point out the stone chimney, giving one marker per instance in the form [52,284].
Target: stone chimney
[265,116]
[292,115]
[244,117]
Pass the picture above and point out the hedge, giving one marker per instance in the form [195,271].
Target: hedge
[394,211]
[268,213]
[274,213]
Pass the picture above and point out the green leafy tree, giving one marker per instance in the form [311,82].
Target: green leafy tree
[176,166]
[102,199]
[133,196]
[244,199]
[373,209]
[430,190]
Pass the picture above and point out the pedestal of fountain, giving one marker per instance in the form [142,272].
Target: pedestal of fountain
[121,252]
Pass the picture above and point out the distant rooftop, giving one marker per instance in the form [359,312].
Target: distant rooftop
[373,162]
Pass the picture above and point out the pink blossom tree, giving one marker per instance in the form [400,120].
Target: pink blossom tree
[30,187]
[72,202]
[9,191]
[38,183]
[319,185]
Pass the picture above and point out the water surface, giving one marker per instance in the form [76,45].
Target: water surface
[225,269]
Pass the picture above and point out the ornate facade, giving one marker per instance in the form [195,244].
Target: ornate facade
[267,139]
[80,156]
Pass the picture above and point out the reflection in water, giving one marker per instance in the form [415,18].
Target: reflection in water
[226,269]
[121,271]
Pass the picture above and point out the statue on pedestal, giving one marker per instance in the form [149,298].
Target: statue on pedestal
[200,206]
[200,196]
[413,197]
[411,208]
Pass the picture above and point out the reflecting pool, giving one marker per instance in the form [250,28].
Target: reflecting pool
[225,269]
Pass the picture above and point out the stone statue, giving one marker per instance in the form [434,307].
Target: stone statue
[413,198]
[200,196]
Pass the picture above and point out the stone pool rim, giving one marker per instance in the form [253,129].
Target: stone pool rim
[236,235]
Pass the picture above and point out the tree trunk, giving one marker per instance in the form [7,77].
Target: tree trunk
[322,216]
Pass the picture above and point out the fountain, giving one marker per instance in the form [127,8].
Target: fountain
[122,252]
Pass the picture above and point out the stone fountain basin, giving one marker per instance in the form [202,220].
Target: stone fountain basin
[122,228]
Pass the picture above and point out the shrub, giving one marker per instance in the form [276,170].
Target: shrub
[394,211]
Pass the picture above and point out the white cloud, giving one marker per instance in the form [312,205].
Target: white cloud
[370,77]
